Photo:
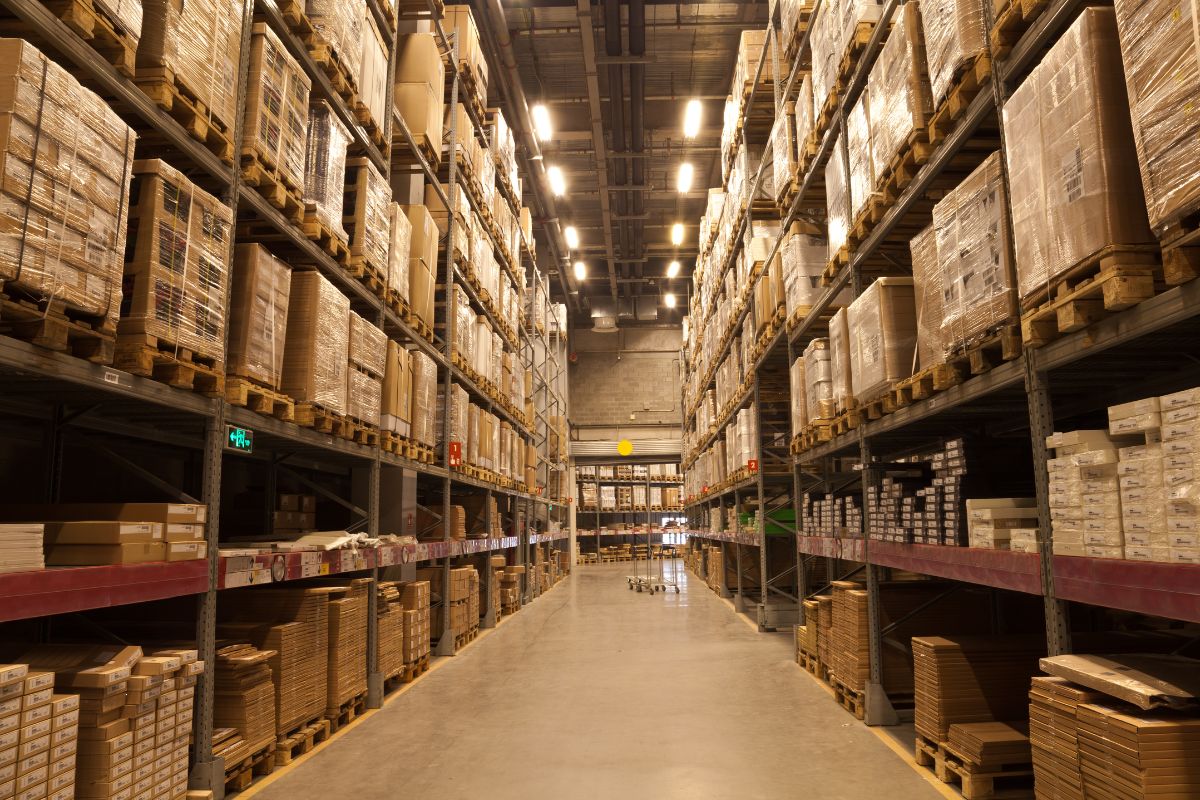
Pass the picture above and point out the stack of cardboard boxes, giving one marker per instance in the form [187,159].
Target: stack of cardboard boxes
[85,534]
[415,598]
[39,731]
[347,651]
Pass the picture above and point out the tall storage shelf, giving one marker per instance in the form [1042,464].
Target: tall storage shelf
[171,444]
[1064,383]
[597,519]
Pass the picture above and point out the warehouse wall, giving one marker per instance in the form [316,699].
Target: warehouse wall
[626,384]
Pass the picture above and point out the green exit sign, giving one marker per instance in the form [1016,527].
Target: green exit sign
[239,439]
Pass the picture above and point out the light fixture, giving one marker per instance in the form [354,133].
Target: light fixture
[558,183]
[669,299]
[691,119]
[677,234]
[684,181]
[673,269]
[580,271]
[541,122]
[572,237]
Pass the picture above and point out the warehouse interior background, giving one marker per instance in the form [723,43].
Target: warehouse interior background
[575,398]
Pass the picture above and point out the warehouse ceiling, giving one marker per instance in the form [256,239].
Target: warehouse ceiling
[649,59]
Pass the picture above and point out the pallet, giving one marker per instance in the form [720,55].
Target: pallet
[161,360]
[329,241]
[332,64]
[1112,279]
[999,346]
[407,674]
[1181,251]
[403,155]
[971,76]
[367,120]
[463,639]
[1010,22]
[94,25]
[976,783]
[394,443]
[419,326]
[164,87]
[53,326]
[360,432]
[257,171]
[846,68]
[320,419]
[347,712]
[247,393]
[815,433]
[360,268]
[852,700]
[259,764]
[300,741]
[813,666]
[840,259]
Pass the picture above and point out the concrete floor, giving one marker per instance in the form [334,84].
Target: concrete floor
[595,691]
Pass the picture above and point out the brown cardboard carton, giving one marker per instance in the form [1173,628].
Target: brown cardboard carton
[318,334]
[125,512]
[422,265]
[418,93]
[882,324]
[102,532]
[276,122]
[258,314]
[84,666]
[396,411]
[77,555]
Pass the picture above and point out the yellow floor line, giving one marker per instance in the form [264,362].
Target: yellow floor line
[436,663]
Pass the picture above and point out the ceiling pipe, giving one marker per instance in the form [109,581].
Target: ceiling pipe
[637,117]
[500,44]
[616,112]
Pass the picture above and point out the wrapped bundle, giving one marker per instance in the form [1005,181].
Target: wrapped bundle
[818,381]
[368,346]
[898,89]
[858,147]
[367,203]
[316,354]
[258,315]
[373,72]
[839,359]
[276,120]
[882,324]
[799,403]
[325,168]
[422,263]
[399,250]
[339,27]
[927,291]
[396,394]
[954,35]
[837,197]
[424,397]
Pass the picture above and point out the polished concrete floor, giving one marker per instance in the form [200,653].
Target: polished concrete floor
[595,691]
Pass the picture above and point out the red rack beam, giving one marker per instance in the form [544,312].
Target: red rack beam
[1003,569]
[41,593]
[1163,590]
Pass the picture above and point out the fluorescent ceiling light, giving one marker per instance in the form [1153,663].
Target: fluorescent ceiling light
[691,119]
[558,183]
[673,269]
[541,122]
[572,237]
[684,181]
[669,299]
[677,234]
[580,271]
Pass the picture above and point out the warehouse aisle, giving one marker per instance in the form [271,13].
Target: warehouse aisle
[594,691]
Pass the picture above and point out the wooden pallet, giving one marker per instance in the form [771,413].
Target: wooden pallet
[815,433]
[259,764]
[157,358]
[392,442]
[977,783]
[812,665]
[1012,18]
[359,432]
[94,25]
[999,346]
[333,64]
[165,87]
[463,639]
[839,260]
[846,68]
[1181,250]
[1112,279]
[403,155]
[276,189]
[407,674]
[852,700]
[971,76]
[362,113]
[248,393]
[328,240]
[300,741]
[50,324]
[347,712]
[367,274]
[420,326]
[320,419]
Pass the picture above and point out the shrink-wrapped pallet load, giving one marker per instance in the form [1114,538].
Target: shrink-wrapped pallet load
[396,410]
[422,262]
[258,311]
[898,89]
[339,28]
[418,94]
[818,381]
[325,169]
[838,25]
[276,121]
[977,278]
[954,33]
[367,205]
[927,292]
[367,353]
[839,361]
[399,252]
[177,273]
[837,197]
[63,209]
[315,357]
[858,148]
[882,324]
[373,74]
[1071,160]
[424,396]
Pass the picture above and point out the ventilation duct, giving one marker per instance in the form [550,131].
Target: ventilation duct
[604,324]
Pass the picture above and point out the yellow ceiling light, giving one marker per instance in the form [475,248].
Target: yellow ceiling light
[673,269]
[580,271]
[669,299]
[692,118]
[558,182]
[677,234]
[572,237]
[683,181]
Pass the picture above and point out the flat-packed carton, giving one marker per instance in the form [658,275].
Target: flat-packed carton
[882,325]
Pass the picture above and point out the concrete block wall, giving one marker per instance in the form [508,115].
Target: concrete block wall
[627,381]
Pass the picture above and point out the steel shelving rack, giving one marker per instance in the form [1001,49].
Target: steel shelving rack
[53,401]
[1124,356]
[598,513]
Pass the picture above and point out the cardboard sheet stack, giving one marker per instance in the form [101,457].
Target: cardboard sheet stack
[1054,736]
[347,671]
[177,274]
[325,169]
[83,534]
[992,745]
[294,625]
[825,629]
[21,547]
[422,262]
[992,522]
[415,597]
[390,626]
[244,703]
[367,207]
[39,732]
[76,257]
[1085,499]
[424,398]
[367,352]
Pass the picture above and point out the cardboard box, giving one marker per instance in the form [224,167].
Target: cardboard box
[126,512]
[318,332]
[81,532]
[79,555]
[882,327]
[258,314]
[276,119]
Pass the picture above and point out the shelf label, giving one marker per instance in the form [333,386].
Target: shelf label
[752,465]
[456,454]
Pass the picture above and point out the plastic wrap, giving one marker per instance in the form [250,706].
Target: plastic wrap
[363,396]
[818,381]
[898,89]
[368,346]
[258,315]
[459,414]
[177,274]
[67,164]
[316,353]
[464,327]
[497,356]
[839,360]
[471,455]
[424,397]
[422,264]
[368,201]
[325,167]
[418,96]
[340,24]
[858,147]
[837,197]
[276,123]
[799,415]
[805,123]
[396,411]
[978,284]
[1160,48]
[750,47]
[783,150]
[399,248]
[833,30]
[482,361]
[927,292]
[748,440]
[373,70]
[882,324]
[1074,186]
[195,45]
[954,32]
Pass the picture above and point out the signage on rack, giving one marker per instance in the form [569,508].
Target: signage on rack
[238,439]
[456,454]
[752,465]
